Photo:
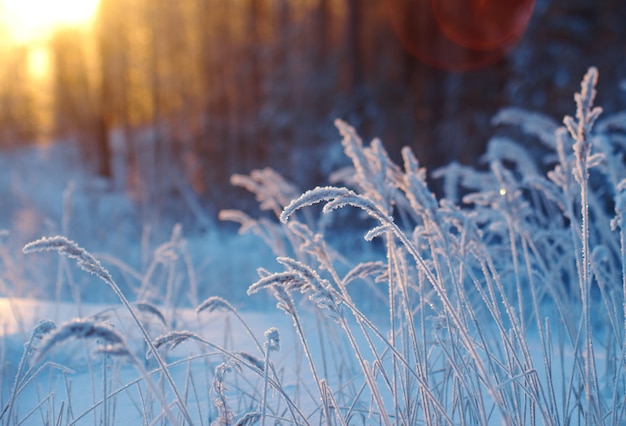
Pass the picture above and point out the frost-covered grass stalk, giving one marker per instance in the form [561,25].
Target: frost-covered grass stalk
[580,129]
[501,302]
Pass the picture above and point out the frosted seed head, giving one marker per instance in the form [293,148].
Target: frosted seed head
[249,419]
[287,280]
[43,328]
[152,310]
[175,338]
[313,196]
[366,269]
[70,249]
[251,359]
[272,339]
[81,329]
[213,304]
[585,98]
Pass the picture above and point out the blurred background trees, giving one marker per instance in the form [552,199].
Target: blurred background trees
[168,98]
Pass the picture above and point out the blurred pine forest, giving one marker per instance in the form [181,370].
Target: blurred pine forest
[168,98]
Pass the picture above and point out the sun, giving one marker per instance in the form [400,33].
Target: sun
[27,21]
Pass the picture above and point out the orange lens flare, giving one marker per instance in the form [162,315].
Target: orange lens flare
[459,35]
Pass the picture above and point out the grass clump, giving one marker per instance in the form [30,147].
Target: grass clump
[501,302]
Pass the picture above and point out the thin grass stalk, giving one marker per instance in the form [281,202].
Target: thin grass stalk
[272,343]
[327,264]
[68,392]
[367,372]
[105,416]
[111,341]
[590,382]
[330,397]
[264,395]
[320,338]
[488,271]
[513,225]
[548,350]
[468,316]
[620,220]
[25,382]
[308,355]
[555,297]
[392,318]
[580,131]
[60,416]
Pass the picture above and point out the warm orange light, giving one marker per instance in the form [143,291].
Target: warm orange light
[28,21]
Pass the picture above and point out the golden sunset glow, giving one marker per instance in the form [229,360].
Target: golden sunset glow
[26,21]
